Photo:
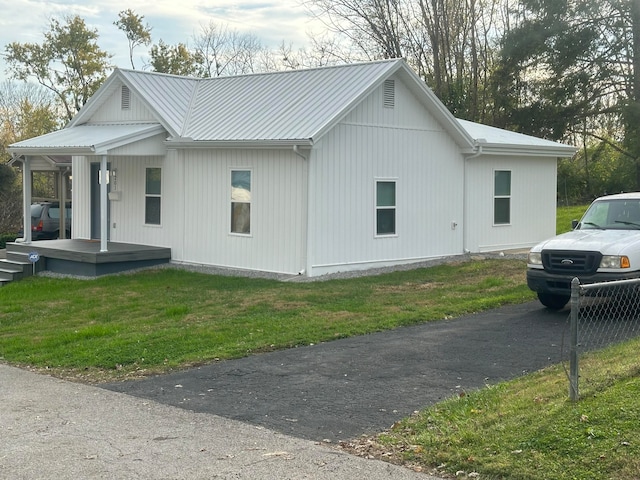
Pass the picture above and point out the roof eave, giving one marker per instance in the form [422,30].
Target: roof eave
[94,101]
[104,148]
[525,150]
[48,151]
[238,143]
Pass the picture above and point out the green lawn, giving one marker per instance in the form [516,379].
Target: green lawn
[154,321]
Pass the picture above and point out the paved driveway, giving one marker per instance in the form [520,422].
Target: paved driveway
[342,389]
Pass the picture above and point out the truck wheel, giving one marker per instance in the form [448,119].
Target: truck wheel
[553,301]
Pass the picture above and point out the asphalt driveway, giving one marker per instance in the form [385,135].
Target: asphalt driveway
[342,389]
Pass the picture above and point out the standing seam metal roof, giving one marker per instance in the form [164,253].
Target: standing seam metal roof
[288,105]
[296,105]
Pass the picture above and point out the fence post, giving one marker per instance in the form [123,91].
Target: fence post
[573,348]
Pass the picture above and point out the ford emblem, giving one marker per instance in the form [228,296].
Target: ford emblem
[567,261]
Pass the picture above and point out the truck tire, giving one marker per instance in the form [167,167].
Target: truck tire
[553,301]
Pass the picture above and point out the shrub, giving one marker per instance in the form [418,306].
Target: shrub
[6,237]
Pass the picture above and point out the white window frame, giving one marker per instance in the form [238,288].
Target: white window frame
[152,195]
[232,201]
[385,207]
[500,197]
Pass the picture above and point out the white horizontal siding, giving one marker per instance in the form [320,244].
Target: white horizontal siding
[533,203]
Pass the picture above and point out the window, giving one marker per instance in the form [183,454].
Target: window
[502,197]
[241,201]
[152,192]
[385,208]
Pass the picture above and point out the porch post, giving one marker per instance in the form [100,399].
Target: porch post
[62,225]
[26,199]
[103,204]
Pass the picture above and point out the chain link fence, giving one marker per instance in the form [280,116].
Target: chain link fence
[602,314]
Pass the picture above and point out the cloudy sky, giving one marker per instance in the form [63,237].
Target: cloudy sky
[173,21]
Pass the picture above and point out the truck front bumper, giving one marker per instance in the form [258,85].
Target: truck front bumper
[541,281]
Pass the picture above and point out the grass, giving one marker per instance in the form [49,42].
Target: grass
[527,429]
[154,321]
[564,216]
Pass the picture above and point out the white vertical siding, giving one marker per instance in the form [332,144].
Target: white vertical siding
[278,186]
[111,110]
[150,146]
[127,214]
[533,203]
[81,197]
[403,144]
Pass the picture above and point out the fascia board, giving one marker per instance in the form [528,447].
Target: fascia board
[94,101]
[188,143]
[527,151]
[105,89]
[331,122]
[105,147]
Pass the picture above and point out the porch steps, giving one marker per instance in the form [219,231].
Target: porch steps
[11,270]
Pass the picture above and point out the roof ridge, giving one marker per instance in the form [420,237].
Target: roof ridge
[256,74]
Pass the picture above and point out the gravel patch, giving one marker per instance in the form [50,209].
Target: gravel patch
[233,272]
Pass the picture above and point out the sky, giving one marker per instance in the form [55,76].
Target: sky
[173,21]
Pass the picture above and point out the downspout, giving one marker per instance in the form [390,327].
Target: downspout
[478,151]
[307,262]
[478,148]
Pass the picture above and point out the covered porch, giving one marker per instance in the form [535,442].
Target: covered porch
[85,257]
[90,252]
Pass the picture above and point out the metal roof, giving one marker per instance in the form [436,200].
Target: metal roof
[282,108]
[296,106]
[498,140]
[286,105]
[86,139]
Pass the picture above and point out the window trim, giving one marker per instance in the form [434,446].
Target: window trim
[231,201]
[498,197]
[152,195]
[377,180]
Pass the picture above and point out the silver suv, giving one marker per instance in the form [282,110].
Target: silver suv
[45,220]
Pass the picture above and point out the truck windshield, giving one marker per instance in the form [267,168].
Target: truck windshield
[612,214]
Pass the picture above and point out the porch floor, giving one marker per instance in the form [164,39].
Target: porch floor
[83,257]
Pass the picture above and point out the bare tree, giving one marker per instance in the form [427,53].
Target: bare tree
[451,43]
[228,52]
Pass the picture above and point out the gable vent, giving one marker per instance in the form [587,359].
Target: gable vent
[125,99]
[389,94]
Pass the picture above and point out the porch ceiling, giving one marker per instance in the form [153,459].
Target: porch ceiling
[86,139]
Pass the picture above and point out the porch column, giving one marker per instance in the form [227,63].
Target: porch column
[103,204]
[63,204]
[26,199]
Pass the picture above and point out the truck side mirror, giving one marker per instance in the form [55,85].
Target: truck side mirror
[574,224]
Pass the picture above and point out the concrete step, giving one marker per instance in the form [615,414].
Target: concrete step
[11,271]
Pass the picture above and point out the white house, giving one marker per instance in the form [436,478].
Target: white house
[309,171]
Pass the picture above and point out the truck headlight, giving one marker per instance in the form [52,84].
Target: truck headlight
[615,261]
[534,258]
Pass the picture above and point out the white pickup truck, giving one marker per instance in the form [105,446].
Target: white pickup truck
[604,246]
